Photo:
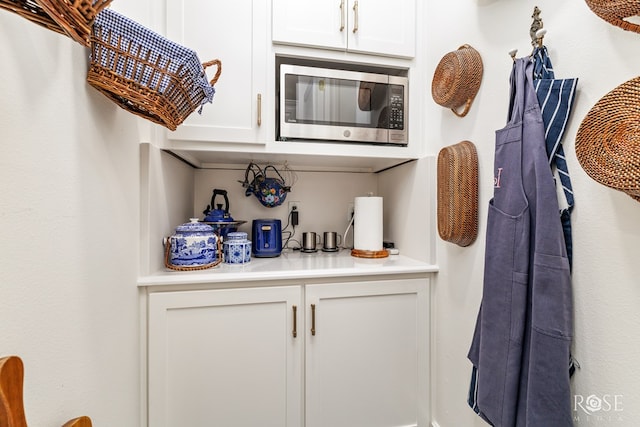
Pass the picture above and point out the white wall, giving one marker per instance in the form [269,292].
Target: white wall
[408,192]
[606,232]
[69,232]
[324,198]
[167,191]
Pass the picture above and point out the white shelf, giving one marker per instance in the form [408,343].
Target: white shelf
[293,265]
[300,155]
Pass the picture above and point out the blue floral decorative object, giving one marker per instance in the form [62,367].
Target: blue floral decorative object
[237,249]
[194,244]
[270,191]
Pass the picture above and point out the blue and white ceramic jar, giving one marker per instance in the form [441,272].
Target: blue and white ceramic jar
[236,248]
[193,245]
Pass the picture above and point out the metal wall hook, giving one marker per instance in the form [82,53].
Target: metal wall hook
[536,26]
[536,32]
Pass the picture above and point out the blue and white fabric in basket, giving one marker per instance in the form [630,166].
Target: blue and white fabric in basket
[124,34]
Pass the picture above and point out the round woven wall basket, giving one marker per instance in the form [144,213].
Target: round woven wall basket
[458,193]
[608,139]
[616,12]
[457,79]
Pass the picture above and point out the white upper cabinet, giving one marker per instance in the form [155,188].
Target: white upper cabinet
[365,26]
[239,125]
[236,32]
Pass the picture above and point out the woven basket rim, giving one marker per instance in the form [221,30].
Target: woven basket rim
[32,11]
[621,8]
[457,78]
[75,17]
[457,193]
[606,146]
[615,12]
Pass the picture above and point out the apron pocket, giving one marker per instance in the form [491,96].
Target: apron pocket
[551,296]
[504,298]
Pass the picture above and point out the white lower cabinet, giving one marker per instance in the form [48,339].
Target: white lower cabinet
[322,355]
[367,354]
[224,358]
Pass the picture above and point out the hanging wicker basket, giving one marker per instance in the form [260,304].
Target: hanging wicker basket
[145,73]
[72,18]
[458,193]
[75,17]
[31,10]
[616,12]
[457,79]
[607,142]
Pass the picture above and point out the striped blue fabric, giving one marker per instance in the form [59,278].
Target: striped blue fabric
[555,97]
[472,398]
[125,34]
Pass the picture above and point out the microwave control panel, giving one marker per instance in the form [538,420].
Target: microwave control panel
[396,104]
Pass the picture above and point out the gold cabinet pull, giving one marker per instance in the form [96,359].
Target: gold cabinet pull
[259,109]
[313,319]
[355,16]
[295,321]
[341,15]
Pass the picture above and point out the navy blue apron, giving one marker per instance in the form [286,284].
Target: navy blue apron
[522,339]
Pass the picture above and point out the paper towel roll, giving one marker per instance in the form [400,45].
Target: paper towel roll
[367,224]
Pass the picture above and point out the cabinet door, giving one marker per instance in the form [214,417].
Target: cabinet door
[310,23]
[236,32]
[224,358]
[381,27]
[367,26]
[367,358]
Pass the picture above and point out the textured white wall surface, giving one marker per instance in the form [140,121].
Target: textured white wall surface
[69,232]
[606,230]
[325,197]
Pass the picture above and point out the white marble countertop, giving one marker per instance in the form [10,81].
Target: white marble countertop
[293,265]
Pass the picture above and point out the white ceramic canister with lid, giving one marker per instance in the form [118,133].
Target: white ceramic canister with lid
[236,248]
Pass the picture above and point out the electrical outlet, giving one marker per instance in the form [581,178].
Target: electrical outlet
[293,205]
[350,211]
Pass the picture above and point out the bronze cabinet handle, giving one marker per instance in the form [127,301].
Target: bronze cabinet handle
[295,321]
[341,15]
[259,109]
[355,16]
[313,319]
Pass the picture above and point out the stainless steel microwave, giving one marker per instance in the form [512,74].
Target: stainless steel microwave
[340,105]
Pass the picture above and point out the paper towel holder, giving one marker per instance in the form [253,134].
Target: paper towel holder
[368,247]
